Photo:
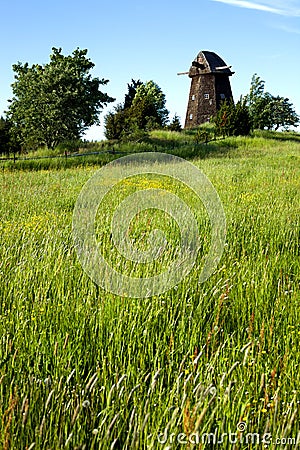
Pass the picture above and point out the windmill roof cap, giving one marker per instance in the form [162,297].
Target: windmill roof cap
[210,62]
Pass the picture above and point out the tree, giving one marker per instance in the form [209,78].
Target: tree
[258,103]
[175,124]
[120,123]
[233,120]
[115,122]
[242,121]
[57,101]
[4,135]
[223,119]
[267,111]
[7,143]
[131,92]
[150,101]
[143,109]
[144,114]
[282,113]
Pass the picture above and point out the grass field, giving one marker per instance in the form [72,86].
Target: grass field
[81,368]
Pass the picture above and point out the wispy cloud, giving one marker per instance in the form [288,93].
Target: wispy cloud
[284,8]
[288,29]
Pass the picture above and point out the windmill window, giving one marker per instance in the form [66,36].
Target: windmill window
[206,96]
[193,97]
[191,116]
[222,96]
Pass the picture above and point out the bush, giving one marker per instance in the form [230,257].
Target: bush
[233,120]
[205,133]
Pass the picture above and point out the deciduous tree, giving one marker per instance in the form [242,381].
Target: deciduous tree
[267,111]
[143,109]
[57,101]
[150,99]
[4,135]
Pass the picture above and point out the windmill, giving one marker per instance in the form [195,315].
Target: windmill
[210,86]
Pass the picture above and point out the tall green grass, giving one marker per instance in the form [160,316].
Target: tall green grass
[84,369]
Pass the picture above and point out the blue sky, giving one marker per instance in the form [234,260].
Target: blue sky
[154,41]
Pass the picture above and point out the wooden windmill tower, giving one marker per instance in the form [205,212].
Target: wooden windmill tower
[210,86]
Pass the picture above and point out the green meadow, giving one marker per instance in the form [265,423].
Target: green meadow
[201,365]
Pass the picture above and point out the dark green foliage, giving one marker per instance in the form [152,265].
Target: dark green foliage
[131,92]
[150,101]
[55,102]
[143,109]
[259,104]
[175,124]
[145,114]
[257,110]
[282,113]
[4,135]
[7,143]
[119,122]
[267,111]
[202,136]
[233,120]
[242,123]
[223,119]
[115,122]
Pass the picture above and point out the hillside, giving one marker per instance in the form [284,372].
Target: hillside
[268,143]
